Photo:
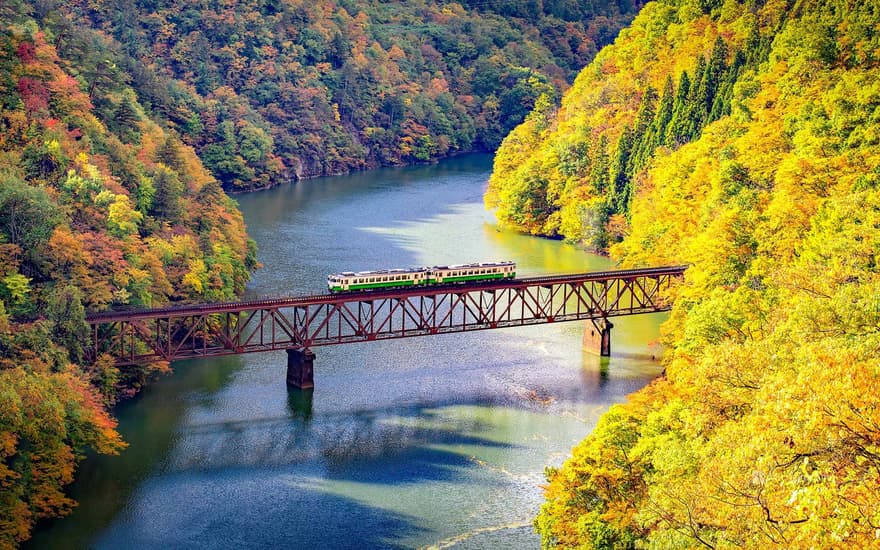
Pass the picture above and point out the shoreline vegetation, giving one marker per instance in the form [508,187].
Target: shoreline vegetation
[122,128]
[740,137]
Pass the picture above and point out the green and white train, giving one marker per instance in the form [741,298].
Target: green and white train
[421,276]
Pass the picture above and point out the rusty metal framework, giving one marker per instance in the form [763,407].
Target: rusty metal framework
[138,337]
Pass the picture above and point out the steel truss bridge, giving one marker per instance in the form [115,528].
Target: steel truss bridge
[298,324]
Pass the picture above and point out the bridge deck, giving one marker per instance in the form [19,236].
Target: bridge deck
[306,321]
[340,297]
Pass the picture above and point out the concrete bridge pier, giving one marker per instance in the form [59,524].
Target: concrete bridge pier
[597,336]
[300,368]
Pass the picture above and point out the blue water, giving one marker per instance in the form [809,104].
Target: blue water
[429,442]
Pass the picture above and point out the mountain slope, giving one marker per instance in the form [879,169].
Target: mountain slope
[97,210]
[275,90]
[765,429]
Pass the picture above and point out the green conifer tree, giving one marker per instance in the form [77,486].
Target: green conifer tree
[677,127]
[600,167]
[697,111]
[644,118]
[621,188]
[722,102]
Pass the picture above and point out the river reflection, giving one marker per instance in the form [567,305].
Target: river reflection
[438,441]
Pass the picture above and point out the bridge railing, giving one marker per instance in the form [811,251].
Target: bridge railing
[204,330]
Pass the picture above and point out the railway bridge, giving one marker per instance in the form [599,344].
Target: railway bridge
[298,324]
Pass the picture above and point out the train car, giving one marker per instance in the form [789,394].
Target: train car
[484,271]
[419,276]
[370,280]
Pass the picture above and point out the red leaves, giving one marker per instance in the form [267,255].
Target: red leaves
[34,94]
[26,52]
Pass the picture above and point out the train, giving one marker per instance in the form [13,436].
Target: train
[421,276]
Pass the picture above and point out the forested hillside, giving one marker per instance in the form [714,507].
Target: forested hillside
[99,207]
[274,90]
[122,121]
[742,138]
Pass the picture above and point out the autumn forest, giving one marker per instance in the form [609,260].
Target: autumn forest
[740,137]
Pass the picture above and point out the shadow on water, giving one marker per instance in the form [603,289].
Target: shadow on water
[282,512]
[278,466]
[150,438]
[604,362]
[357,446]
[300,401]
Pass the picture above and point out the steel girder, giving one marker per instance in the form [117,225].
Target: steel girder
[206,330]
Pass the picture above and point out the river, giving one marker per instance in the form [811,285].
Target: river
[437,442]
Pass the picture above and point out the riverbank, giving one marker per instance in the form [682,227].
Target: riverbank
[403,443]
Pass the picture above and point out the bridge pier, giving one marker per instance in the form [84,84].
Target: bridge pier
[597,336]
[300,368]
